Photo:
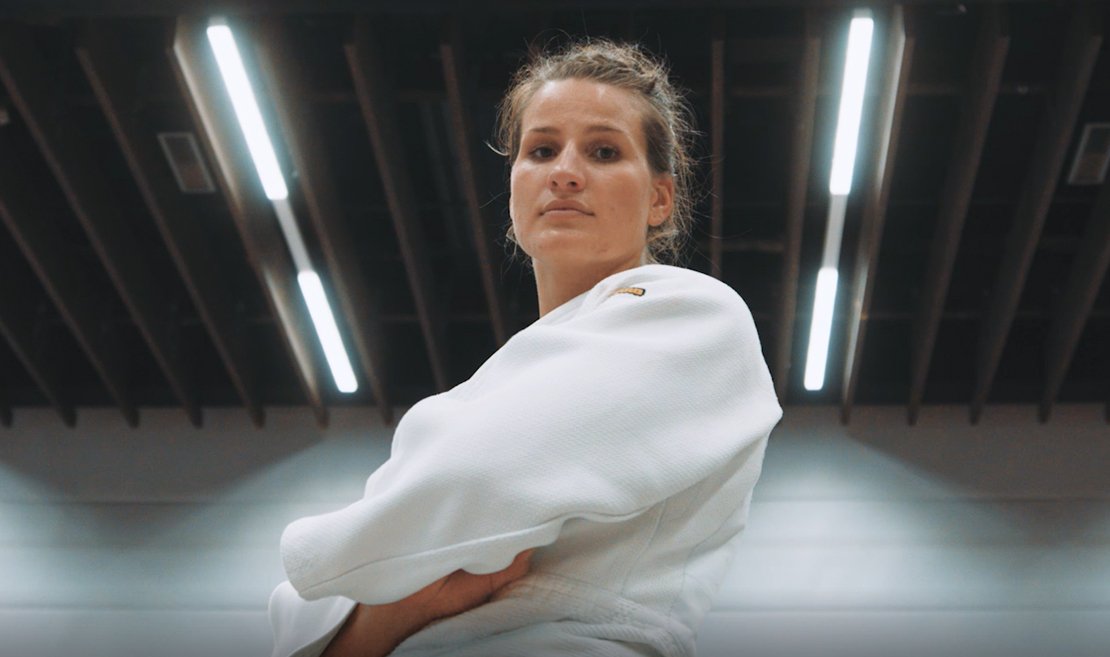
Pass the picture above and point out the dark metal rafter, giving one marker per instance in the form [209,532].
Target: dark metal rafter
[88,191]
[805,109]
[5,408]
[71,8]
[378,111]
[286,79]
[1087,275]
[458,100]
[733,91]
[67,285]
[1082,43]
[17,328]
[199,81]
[717,145]
[898,55]
[106,68]
[984,79]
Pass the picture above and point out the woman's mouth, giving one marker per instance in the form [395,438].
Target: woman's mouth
[565,208]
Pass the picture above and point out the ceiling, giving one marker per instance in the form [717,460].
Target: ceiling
[972,272]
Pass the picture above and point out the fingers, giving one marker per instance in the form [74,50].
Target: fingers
[521,564]
[524,557]
[517,569]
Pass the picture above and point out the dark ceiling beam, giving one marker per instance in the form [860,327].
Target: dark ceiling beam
[739,90]
[1087,275]
[955,88]
[17,327]
[88,191]
[897,54]
[106,69]
[774,49]
[1024,314]
[745,245]
[200,85]
[732,92]
[67,285]
[717,145]
[378,111]
[915,89]
[5,407]
[71,8]
[286,78]
[801,150]
[1032,314]
[458,101]
[1082,42]
[987,62]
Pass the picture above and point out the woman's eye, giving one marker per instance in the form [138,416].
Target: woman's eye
[542,152]
[606,153]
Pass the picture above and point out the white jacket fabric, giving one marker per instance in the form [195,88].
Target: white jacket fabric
[621,433]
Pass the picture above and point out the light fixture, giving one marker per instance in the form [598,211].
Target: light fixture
[246,109]
[273,183]
[851,102]
[840,184]
[313,292]
[820,328]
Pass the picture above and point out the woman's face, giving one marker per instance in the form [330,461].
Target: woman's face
[582,192]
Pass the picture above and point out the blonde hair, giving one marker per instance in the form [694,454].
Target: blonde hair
[667,122]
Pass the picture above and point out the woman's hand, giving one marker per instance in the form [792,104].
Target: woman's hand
[461,591]
[375,630]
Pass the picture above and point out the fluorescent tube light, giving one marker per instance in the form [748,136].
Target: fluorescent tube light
[246,110]
[313,292]
[840,184]
[265,163]
[820,328]
[851,103]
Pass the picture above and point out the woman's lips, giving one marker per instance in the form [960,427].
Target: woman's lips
[565,207]
[565,212]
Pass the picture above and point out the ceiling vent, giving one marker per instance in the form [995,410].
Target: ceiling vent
[1093,156]
[185,159]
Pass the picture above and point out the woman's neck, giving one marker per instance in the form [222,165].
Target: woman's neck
[557,285]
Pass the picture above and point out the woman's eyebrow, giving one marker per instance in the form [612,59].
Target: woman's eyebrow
[596,127]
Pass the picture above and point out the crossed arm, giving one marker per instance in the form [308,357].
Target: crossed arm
[573,391]
[375,630]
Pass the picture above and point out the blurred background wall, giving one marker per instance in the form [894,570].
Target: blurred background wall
[872,539]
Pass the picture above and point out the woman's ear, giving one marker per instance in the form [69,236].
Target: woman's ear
[662,199]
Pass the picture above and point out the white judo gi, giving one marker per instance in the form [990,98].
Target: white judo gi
[621,433]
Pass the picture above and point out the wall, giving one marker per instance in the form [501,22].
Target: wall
[872,539]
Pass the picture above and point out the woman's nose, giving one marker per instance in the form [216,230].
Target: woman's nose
[566,174]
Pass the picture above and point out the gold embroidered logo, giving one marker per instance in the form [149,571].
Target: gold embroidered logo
[638,291]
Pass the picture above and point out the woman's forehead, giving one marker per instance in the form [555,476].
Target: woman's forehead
[560,104]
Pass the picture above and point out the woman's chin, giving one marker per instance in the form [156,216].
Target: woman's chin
[565,248]
[561,244]
[579,262]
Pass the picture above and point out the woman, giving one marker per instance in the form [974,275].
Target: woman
[580,493]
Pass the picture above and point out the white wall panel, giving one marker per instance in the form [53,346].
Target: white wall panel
[906,633]
[133,633]
[871,539]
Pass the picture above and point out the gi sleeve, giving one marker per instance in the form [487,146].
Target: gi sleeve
[600,417]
